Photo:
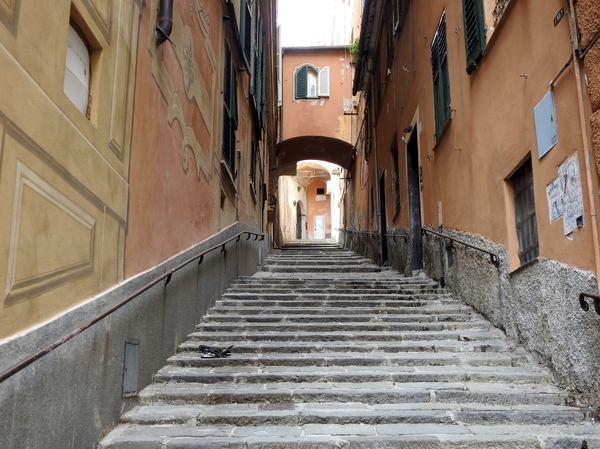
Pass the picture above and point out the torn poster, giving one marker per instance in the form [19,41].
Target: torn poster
[554,200]
[572,198]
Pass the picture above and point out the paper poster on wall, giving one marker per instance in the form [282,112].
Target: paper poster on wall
[554,200]
[572,198]
[545,124]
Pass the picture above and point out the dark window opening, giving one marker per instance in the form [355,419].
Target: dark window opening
[525,218]
[320,191]
[229,112]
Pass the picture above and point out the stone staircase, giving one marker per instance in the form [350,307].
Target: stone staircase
[331,351]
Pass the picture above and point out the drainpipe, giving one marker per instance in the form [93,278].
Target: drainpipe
[586,147]
[164,23]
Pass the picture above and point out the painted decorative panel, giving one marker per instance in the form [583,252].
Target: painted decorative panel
[9,14]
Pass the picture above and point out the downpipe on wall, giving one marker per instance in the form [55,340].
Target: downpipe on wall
[585,141]
[164,22]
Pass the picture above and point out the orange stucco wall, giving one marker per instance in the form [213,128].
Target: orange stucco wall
[323,116]
[491,130]
[179,192]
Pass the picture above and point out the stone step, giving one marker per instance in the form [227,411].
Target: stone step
[190,356]
[387,282]
[487,393]
[320,318]
[357,336]
[414,288]
[339,371]
[461,347]
[432,310]
[352,436]
[319,295]
[342,327]
[339,353]
[291,414]
[306,303]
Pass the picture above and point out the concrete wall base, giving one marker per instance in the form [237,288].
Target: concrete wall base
[72,397]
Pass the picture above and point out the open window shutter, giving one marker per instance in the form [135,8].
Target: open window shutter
[324,82]
[263,98]
[234,103]
[474,32]
[302,82]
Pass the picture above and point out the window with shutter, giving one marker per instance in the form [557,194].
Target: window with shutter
[324,82]
[441,79]
[474,32]
[309,82]
[246,29]
[301,82]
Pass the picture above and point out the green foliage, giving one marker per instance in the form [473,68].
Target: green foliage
[354,50]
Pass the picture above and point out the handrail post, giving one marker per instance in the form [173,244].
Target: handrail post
[442,281]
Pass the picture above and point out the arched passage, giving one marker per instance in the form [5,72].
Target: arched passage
[328,149]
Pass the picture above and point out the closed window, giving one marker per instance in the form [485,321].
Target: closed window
[474,32]
[526,223]
[77,70]
[311,82]
[441,79]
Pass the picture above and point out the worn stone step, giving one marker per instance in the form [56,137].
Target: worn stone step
[461,347]
[175,393]
[432,310]
[321,269]
[324,303]
[352,436]
[355,413]
[340,370]
[330,296]
[356,336]
[343,327]
[319,318]
[192,357]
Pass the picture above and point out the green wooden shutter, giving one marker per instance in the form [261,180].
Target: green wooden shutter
[474,32]
[441,78]
[302,82]
[246,29]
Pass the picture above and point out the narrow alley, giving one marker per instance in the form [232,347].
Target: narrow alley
[317,224]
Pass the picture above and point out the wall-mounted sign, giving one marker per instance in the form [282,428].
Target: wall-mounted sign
[545,124]
[559,16]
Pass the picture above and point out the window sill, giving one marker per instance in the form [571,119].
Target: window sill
[253,193]
[228,176]
[443,132]
[517,270]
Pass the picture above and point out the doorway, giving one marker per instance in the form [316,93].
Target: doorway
[382,220]
[319,227]
[299,221]
[414,202]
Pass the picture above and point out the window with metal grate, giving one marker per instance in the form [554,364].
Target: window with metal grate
[526,223]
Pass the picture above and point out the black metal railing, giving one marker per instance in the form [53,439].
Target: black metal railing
[585,306]
[166,277]
[494,258]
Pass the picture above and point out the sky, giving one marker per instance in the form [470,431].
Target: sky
[310,22]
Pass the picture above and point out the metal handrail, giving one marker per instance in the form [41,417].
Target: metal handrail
[166,276]
[358,231]
[585,306]
[494,258]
